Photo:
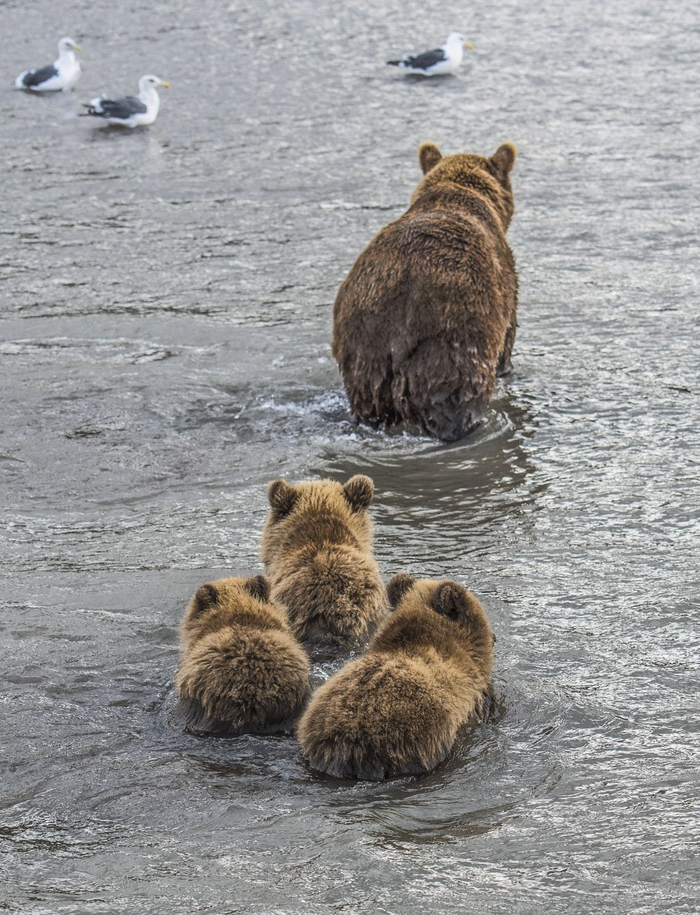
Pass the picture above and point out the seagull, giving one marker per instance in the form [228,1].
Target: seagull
[63,73]
[438,62]
[132,110]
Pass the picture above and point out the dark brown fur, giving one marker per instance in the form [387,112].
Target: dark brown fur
[397,710]
[242,669]
[426,318]
[317,550]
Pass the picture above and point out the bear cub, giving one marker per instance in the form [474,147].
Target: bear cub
[317,551]
[397,709]
[426,318]
[242,670]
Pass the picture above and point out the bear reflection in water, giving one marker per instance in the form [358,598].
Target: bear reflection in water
[426,318]
[397,710]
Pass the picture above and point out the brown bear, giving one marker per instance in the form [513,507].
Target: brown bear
[397,709]
[317,550]
[242,669]
[426,318]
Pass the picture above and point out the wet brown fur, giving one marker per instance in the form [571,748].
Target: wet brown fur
[241,669]
[317,550]
[397,710]
[426,318]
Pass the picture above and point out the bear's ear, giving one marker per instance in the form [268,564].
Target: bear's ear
[359,492]
[399,586]
[451,600]
[504,157]
[205,598]
[282,497]
[259,587]
[428,156]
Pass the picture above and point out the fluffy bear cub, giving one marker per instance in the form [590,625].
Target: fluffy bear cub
[397,709]
[317,550]
[242,669]
[426,318]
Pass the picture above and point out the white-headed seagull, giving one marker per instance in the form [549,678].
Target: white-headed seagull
[130,110]
[439,62]
[63,73]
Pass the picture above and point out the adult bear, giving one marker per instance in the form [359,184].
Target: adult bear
[426,318]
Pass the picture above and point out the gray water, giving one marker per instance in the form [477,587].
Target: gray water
[166,318]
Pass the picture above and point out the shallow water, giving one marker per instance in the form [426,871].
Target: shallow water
[165,353]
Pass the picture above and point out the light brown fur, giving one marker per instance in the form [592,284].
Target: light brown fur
[426,318]
[397,710]
[242,669]
[317,550]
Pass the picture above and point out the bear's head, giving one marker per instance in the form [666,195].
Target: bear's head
[215,593]
[488,177]
[305,512]
[228,600]
[450,601]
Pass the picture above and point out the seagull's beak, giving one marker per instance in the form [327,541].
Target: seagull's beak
[469,47]
[165,85]
[78,47]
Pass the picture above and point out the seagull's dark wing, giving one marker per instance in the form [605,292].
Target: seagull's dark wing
[36,77]
[122,108]
[425,60]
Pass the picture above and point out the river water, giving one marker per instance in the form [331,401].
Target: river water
[165,328]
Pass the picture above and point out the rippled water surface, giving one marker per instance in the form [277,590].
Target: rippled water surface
[165,327]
